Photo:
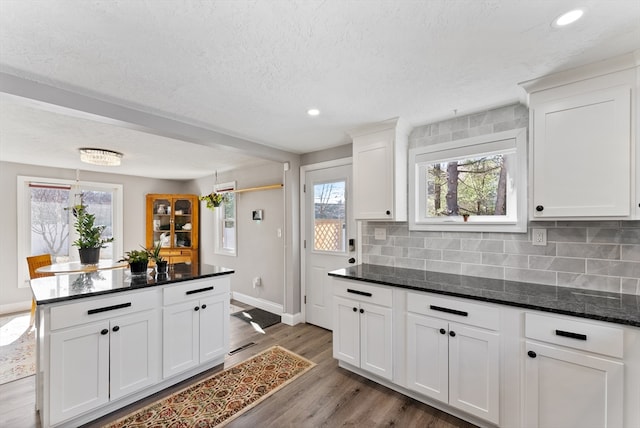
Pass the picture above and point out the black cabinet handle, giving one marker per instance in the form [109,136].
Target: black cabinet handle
[104,331]
[197,308]
[108,308]
[448,310]
[204,306]
[352,260]
[539,208]
[443,331]
[532,354]
[200,290]
[361,293]
[571,335]
[452,333]
[388,212]
[116,328]
[355,309]
[362,311]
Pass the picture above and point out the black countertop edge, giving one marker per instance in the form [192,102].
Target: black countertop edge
[123,286]
[594,311]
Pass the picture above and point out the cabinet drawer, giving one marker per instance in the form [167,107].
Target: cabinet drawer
[98,309]
[454,310]
[195,290]
[363,292]
[576,334]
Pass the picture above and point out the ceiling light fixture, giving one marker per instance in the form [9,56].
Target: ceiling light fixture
[568,18]
[313,112]
[100,156]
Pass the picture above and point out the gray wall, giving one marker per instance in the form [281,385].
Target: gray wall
[333,153]
[134,191]
[260,252]
[599,255]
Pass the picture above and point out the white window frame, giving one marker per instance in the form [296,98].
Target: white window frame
[24,223]
[513,141]
[219,247]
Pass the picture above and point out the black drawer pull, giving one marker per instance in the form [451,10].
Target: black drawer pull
[571,335]
[361,293]
[108,308]
[449,311]
[200,290]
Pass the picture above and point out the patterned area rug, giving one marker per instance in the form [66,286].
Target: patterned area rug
[224,396]
[17,348]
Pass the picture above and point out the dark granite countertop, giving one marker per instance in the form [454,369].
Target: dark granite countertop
[597,305]
[60,288]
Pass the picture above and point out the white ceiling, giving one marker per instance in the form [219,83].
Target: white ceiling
[251,69]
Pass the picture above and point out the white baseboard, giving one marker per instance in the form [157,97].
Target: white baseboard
[265,305]
[292,319]
[15,307]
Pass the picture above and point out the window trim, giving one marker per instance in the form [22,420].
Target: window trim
[507,141]
[23,212]
[219,218]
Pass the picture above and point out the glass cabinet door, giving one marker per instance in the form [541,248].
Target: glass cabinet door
[183,225]
[162,222]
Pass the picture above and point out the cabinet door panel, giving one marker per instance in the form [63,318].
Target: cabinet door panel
[134,353]
[474,371]
[376,340]
[428,356]
[214,311]
[79,370]
[566,388]
[581,155]
[346,334]
[180,337]
[373,177]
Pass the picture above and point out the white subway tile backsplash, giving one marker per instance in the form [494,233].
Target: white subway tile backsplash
[462,256]
[588,251]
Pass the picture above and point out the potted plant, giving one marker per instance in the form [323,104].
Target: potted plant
[213,199]
[138,261]
[161,263]
[90,238]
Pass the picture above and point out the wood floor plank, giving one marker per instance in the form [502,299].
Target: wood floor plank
[326,396]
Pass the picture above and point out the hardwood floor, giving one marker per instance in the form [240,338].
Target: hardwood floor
[326,396]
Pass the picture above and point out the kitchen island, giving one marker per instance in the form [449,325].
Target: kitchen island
[106,339]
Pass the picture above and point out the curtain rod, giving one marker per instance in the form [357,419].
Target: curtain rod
[253,189]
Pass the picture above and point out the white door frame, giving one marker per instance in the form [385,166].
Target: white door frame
[303,223]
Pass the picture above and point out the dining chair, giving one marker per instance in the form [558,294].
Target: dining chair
[34,263]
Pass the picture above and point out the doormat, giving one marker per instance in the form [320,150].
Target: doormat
[224,396]
[17,348]
[262,319]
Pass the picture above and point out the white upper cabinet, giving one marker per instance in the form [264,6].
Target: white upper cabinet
[582,142]
[380,171]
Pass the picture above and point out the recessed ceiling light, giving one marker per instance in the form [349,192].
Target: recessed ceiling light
[568,18]
[313,112]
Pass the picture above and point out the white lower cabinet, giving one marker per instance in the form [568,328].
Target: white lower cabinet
[92,364]
[576,378]
[453,362]
[191,319]
[362,329]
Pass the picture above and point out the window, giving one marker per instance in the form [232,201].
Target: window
[225,218]
[329,219]
[45,222]
[475,184]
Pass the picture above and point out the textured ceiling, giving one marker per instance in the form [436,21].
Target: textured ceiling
[251,69]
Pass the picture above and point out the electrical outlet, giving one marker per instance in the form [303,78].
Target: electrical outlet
[257,282]
[380,233]
[539,237]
